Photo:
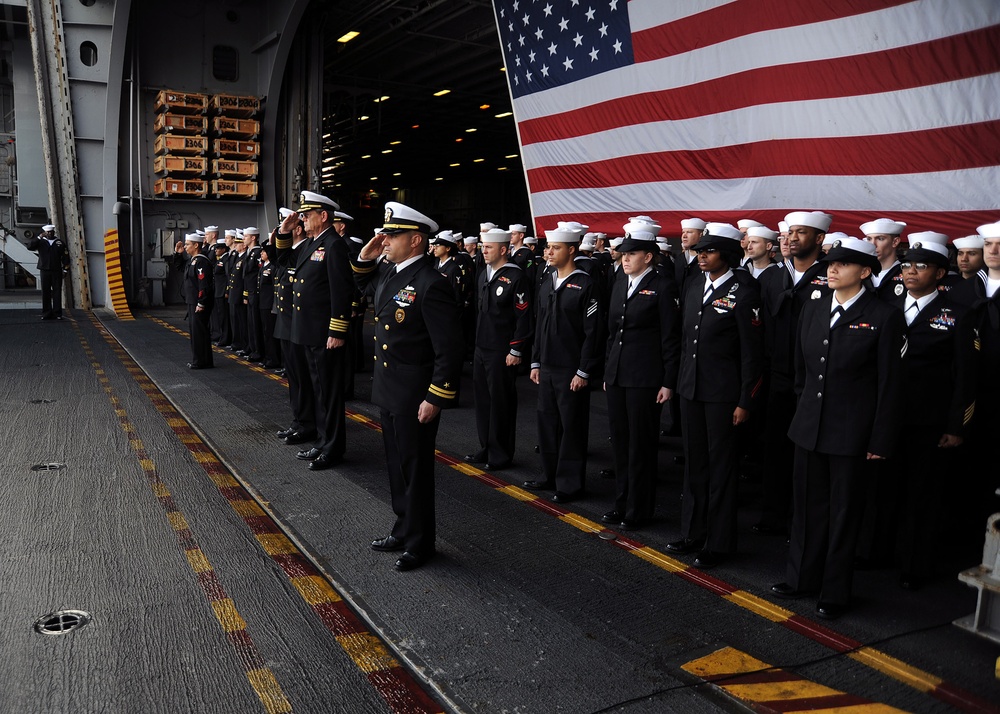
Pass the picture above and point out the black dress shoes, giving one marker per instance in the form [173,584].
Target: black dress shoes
[786,591]
[561,497]
[308,454]
[409,561]
[193,365]
[324,461]
[284,433]
[627,525]
[830,610]
[477,458]
[708,559]
[299,437]
[388,544]
[613,517]
[686,545]
[539,485]
[607,473]
[498,466]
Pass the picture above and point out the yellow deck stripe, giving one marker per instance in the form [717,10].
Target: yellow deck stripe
[228,616]
[315,590]
[264,683]
[758,605]
[897,669]
[197,560]
[276,544]
[368,653]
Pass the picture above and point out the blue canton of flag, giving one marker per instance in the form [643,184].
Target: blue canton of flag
[549,43]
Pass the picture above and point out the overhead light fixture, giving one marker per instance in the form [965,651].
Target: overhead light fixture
[327,136]
[397,174]
[511,156]
[366,156]
[459,140]
[439,178]
[373,178]
[502,168]
[504,114]
[381,99]
[503,69]
[395,143]
[442,93]
[484,106]
[469,131]
[478,161]
[454,165]
[348,36]
[328,159]
[394,188]
[363,117]
[415,126]
[386,151]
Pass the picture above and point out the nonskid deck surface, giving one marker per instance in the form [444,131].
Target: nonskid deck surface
[200,602]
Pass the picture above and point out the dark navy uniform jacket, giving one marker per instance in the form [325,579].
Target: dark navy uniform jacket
[418,340]
[322,287]
[199,281]
[266,286]
[235,284]
[722,348]
[504,307]
[643,333]
[452,272]
[283,292]
[891,286]
[50,257]
[849,378]
[984,319]
[221,275]
[251,267]
[566,335]
[939,366]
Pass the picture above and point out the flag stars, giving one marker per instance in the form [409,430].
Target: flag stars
[568,64]
[614,5]
[510,27]
[578,40]
[576,2]
[589,14]
[527,75]
[563,25]
[538,34]
[603,29]
[526,18]
[517,61]
[547,10]
[617,46]
[516,4]
[545,70]
[593,54]
[520,40]
[531,56]
[552,49]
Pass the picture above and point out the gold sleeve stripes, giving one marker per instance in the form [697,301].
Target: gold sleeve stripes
[338,325]
[442,393]
[969,411]
[282,243]
[366,268]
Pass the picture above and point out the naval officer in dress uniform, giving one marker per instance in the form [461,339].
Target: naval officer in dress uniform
[418,361]
[640,375]
[321,300]
[53,260]
[885,234]
[719,379]
[504,330]
[848,375]
[686,265]
[234,288]
[199,294]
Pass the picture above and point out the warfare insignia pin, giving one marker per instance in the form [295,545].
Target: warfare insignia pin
[898,289]
[816,295]
[400,315]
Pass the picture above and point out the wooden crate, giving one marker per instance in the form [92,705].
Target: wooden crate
[235,149]
[188,188]
[242,128]
[180,145]
[168,165]
[233,168]
[232,105]
[234,189]
[180,124]
[181,102]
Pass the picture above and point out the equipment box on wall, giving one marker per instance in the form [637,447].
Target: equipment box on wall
[180,165]
[181,102]
[231,168]
[235,106]
[234,189]
[235,149]
[181,145]
[189,188]
[180,124]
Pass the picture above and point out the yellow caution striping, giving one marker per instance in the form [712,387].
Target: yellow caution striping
[368,653]
[177,521]
[197,560]
[116,288]
[276,544]
[897,669]
[228,616]
[519,493]
[315,590]
[584,524]
[759,605]
[660,560]
[246,509]
[267,688]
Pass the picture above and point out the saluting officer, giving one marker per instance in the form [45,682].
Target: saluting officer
[503,338]
[52,261]
[322,296]
[199,292]
[417,364]
[848,375]
[237,310]
[885,234]
[565,357]
[719,379]
[641,371]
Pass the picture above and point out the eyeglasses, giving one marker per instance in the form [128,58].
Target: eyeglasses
[710,251]
[918,266]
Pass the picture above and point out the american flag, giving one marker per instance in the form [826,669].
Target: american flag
[729,109]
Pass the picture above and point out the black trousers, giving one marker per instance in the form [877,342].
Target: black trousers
[222,333]
[828,503]
[272,348]
[409,456]
[325,369]
[238,319]
[300,394]
[711,474]
[496,404]
[776,484]
[199,327]
[51,281]
[563,429]
[255,328]
[634,417]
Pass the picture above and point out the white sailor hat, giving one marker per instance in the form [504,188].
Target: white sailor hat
[572,226]
[251,231]
[813,219]
[783,226]
[926,237]
[989,230]
[746,223]
[566,232]
[517,228]
[662,244]
[341,216]
[615,242]
[883,226]
[470,240]
[200,232]
[639,235]
[230,233]
[220,242]
[927,251]
[48,227]
[310,200]
[695,224]
[831,238]
[211,229]
[284,213]
[762,232]
[400,218]
[530,240]
[483,227]
[847,249]
[720,236]
[444,238]
[495,235]
[238,237]
[194,238]
[588,243]
[969,243]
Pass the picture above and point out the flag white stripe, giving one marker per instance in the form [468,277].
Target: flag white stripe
[964,101]
[899,26]
[964,190]
[644,14]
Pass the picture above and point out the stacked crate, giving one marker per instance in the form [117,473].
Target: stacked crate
[235,149]
[181,145]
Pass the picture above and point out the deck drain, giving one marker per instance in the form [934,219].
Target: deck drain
[41,401]
[607,535]
[51,466]
[61,622]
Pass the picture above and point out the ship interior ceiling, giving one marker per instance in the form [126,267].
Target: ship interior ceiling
[417,104]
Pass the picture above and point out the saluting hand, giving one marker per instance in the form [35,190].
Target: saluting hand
[373,248]
[289,223]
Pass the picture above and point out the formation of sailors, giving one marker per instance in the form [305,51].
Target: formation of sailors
[848,368]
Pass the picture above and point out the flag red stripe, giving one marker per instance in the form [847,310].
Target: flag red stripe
[741,18]
[955,224]
[947,149]
[947,59]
